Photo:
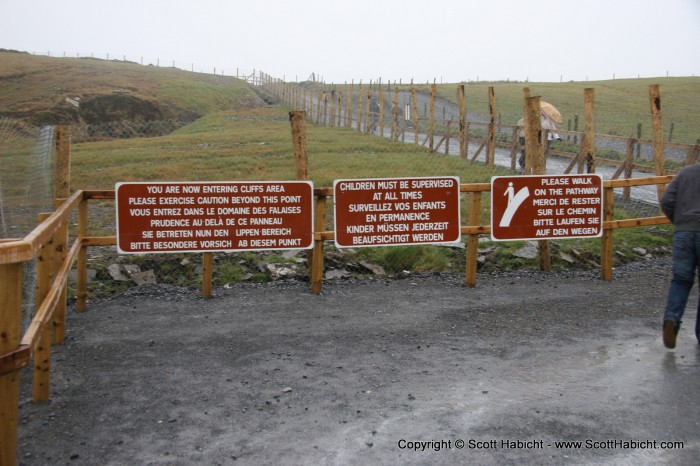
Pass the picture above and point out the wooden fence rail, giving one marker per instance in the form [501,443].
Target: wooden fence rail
[49,242]
[295,95]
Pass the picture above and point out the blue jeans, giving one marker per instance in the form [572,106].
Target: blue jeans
[686,259]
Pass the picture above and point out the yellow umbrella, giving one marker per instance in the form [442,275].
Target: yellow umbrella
[551,111]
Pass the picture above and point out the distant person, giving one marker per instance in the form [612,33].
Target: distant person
[374,114]
[681,204]
[521,143]
[546,123]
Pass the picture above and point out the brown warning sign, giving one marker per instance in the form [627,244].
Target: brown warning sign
[546,207]
[395,211]
[220,216]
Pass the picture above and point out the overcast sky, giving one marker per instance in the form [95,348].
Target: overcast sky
[447,41]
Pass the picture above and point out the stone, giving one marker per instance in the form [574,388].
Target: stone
[131,269]
[336,273]
[567,257]
[529,251]
[145,278]
[116,271]
[282,271]
[374,268]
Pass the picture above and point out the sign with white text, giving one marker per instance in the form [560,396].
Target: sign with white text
[396,211]
[546,207]
[217,216]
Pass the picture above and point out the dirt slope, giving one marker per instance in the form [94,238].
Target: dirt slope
[47,90]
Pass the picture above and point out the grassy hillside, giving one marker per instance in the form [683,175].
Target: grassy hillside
[256,144]
[619,104]
[35,88]
[237,137]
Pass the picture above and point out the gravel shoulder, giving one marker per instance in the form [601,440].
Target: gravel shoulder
[370,370]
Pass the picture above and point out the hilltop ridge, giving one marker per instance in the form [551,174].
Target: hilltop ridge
[47,90]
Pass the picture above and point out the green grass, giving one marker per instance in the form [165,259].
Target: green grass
[32,86]
[416,258]
[256,144]
[234,141]
[620,105]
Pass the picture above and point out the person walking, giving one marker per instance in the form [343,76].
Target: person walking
[681,204]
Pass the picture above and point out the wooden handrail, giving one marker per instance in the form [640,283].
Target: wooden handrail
[20,250]
[45,310]
[27,248]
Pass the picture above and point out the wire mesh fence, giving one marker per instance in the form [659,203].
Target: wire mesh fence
[415,117]
[26,189]
[26,186]
[486,129]
[124,130]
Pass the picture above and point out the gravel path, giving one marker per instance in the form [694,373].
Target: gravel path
[370,370]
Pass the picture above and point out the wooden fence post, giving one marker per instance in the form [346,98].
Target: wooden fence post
[527,168]
[61,180]
[61,191]
[318,108]
[515,145]
[348,110]
[301,153]
[431,118]
[466,138]
[606,241]
[381,111]
[301,156]
[360,106]
[589,140]
[657,134]
[533,132]
[395,126]
[535,147]
[58,330]
[629,162]
[45,274]
[473,240]
[340,109]
[415,113]
[303,99]
[639,137]
[580,159]
[692,157]
[81,293]
[10,327]
[462,120]
[207,273]
[317,252]
[368,116]
[325,110]
[491,149]
[447,137]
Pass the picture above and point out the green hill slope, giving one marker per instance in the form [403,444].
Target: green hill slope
[36,89]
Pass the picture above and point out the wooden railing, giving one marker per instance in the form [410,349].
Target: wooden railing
[49,244]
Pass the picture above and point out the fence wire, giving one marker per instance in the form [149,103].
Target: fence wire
[623,133]
[124,130]
[26,176]
[26,189]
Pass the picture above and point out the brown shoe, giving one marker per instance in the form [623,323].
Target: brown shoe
[670,334]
